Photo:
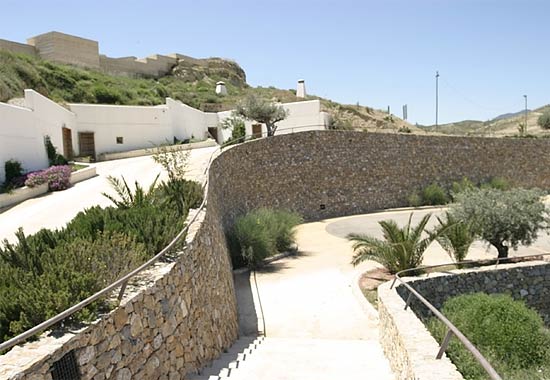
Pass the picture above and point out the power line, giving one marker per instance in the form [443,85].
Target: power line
[473,102]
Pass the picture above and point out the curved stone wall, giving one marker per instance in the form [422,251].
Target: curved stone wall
[186,313]
[324,174]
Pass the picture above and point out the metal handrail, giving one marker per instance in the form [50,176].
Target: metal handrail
[123,281]
[452,329]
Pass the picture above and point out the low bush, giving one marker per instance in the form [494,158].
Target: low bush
[262,233]
[435,194]
[45,273]
[509,334]
[431,195]
[544,120]
[497,183]
[14,177]
[38,281]
[465,184]
[12,170]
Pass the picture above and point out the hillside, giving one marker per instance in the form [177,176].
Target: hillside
[191,83]
[501,126]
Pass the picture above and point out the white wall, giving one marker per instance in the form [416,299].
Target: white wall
[50,118]
[187,122]
[20,140]
[139,126]
[302,116]
[224,133]
[22,129]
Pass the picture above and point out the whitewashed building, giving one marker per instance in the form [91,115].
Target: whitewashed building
[93,129]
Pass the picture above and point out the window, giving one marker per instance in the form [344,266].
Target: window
[120,140]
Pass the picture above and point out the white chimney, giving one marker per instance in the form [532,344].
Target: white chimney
[221,89]
[301,90]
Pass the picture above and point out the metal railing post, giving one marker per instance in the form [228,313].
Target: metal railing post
[409,298]
[444,344]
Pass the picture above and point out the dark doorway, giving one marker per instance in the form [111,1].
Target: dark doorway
[256,131]
[67,143]
[214,133]
[86,144]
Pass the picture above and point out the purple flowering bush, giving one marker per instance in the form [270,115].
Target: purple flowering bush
[35,179]
[57,178]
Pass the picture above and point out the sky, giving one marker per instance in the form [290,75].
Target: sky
[489,53]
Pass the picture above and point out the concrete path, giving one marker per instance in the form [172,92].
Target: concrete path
[54,210]
[316,323]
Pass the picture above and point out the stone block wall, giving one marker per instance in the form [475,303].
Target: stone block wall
[526,281]
[17,47]
[65,48]
[323,174]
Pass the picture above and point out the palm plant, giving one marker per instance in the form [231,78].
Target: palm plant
[128,198]
[455,236]
[402,248]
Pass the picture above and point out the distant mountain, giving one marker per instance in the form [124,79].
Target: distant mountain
[502,125]
[509,115]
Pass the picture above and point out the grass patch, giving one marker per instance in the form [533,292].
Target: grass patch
[76,167]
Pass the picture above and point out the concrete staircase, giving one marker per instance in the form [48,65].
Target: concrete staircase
[299,359]
[227,363]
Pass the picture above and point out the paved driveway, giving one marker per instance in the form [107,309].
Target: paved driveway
[54,210]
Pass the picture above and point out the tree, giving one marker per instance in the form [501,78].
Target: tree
[503,218]
[455,236]
[238,129]
[402,248]
[262,111]
[544,120]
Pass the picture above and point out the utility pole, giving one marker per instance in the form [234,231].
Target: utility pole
[436,98]
[525,96]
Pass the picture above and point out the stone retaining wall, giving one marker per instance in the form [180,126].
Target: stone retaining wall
[179,317]
[324,174]
[186,314]
[408,344]
[525,281]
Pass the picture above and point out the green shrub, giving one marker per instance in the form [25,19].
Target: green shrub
[54,158]
[40,282]
[431,195]
[507,332]
[497,183]
[182,194]
[262,233]
[461,186]
[107,95]
[12,170]
[238,129]
[434,194]
[544,120]
[415,199]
